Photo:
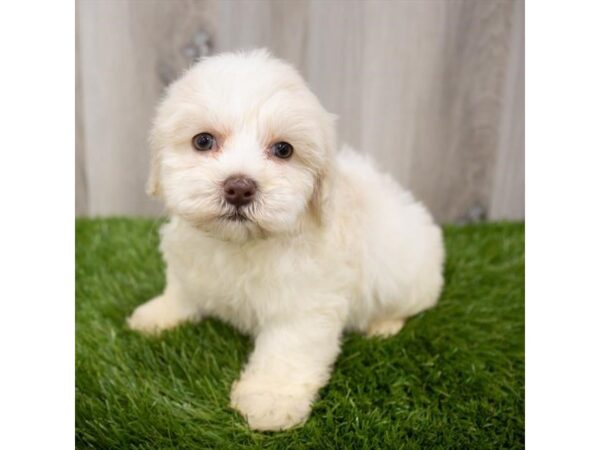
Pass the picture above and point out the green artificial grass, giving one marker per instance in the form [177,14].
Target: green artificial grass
[452,378]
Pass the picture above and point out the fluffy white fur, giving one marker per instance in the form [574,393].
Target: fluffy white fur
[331,244]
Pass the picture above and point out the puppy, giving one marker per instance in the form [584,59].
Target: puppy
[275,233]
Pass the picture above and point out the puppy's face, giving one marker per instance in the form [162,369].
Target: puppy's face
[242,148]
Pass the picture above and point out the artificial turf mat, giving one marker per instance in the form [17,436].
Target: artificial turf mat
[452,378]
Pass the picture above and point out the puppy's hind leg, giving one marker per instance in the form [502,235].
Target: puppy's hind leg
[384,327]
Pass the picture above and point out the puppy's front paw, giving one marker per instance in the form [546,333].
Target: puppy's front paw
[271,406]
[157,315]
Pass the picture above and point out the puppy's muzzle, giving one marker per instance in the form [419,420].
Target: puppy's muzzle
[239,190]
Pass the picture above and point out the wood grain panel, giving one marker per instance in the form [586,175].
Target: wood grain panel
[433,90]
[129,52]
[456,140]
[402,57]
[334,62]
[81,201]
[508,193]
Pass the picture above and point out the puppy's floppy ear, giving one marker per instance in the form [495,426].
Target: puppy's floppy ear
[165,118]
[320,203]
[163,121]
[153,185]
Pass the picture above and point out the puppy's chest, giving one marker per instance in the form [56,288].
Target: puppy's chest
[226,276]
[242,285]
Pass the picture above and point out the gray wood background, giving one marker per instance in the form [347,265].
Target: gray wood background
[434,90]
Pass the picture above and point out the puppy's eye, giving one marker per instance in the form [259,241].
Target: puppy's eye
[282,150]
[203,141]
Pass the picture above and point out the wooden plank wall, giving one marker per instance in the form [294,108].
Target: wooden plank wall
[432,89]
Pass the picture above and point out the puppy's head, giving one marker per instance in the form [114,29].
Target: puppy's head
[242,148]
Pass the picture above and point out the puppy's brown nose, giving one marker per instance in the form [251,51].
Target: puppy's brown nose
[239,190]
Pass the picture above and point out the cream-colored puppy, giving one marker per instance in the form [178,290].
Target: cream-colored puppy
[275,233]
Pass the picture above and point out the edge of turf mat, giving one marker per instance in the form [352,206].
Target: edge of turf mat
[453,378]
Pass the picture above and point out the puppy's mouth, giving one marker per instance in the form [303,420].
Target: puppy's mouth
[236,216]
